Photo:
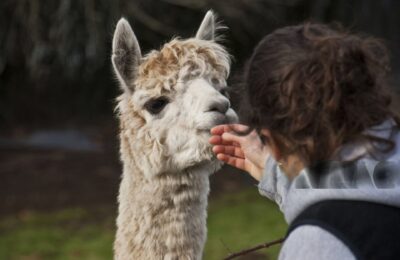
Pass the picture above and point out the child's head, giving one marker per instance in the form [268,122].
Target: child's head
[316,88]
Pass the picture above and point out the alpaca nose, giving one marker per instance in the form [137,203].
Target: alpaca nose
[220,106]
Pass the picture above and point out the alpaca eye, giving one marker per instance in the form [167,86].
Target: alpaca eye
[155,106]
[214,81]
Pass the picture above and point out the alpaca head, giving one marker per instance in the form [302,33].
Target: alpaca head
[171,98]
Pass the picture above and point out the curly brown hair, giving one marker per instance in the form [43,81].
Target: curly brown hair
[316,88]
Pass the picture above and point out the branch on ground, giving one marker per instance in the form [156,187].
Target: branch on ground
[255,248]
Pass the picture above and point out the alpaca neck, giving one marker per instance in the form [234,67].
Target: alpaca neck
[163,217]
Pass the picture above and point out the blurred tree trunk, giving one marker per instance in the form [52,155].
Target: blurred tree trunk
[56,53]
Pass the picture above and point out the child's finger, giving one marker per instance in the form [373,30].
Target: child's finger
[229,150]
[238,127]
[236,144]
[235,162]
[217,140]
[228,137]
[219,129]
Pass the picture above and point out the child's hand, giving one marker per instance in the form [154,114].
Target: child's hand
[247,153]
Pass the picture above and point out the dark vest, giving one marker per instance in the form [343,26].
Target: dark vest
[370,230]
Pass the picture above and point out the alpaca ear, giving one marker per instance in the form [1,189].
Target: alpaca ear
[206,30]
[126,54]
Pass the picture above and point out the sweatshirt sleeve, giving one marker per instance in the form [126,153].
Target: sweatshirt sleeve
[274,184]
[314,243]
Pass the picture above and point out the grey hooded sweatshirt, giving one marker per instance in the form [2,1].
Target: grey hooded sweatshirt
[310,242]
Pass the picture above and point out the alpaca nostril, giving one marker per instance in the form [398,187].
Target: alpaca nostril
[220,107]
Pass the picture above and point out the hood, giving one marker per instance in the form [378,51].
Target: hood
[373,178]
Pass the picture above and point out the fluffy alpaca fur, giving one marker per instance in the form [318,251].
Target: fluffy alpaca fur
[166,156]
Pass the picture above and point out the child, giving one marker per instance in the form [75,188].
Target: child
[320,138]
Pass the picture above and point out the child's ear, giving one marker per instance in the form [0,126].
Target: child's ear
[126,54]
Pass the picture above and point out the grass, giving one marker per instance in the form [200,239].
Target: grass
[236,221]
[240,221]
[67,234]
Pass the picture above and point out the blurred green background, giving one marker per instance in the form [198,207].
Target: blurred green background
[59,166]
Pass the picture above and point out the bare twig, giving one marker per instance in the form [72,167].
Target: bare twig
[226,247]
[255,248]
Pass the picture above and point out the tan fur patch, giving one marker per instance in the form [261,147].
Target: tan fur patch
[181,60]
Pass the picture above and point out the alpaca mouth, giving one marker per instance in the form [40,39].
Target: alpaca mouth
[217,119]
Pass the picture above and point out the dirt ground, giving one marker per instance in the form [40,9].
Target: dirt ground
[51,179]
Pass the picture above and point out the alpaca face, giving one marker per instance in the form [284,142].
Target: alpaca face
[172,98]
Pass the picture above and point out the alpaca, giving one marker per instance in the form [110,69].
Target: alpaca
[171,98]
